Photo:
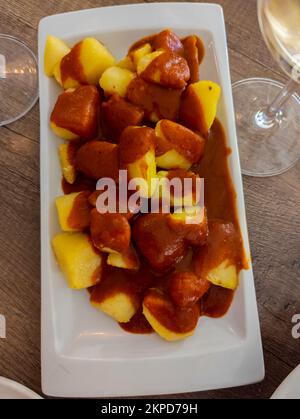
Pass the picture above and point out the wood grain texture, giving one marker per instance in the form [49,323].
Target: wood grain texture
[272,209]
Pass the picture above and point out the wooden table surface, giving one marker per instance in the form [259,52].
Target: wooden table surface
[272,210]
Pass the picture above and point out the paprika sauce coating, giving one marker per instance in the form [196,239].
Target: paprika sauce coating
[195,234]
[176,136]
[110,231]
[82,183]
[194,52]
[156,101]
[77,111]
[80,215]
[97,159]
[157,242]
[174,318]
[185,288]
[71,66]
[167,40]
[118,114]
[168,70]
[135,142]
[223,243]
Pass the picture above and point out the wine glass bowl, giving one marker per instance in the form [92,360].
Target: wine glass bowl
[18,79]
[267,112]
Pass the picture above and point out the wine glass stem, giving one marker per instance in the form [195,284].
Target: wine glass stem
[273,112]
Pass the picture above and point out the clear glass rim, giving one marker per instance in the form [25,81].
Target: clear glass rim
[36,96]
[295,96]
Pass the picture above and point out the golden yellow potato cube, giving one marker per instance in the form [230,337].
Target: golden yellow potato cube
[55,50]
[144,62]
[73,211]
[162,331]
[209,93]
[116,80]
[64,205]
[144,168]
[57,73]
[127,63]
[67,166]
[199,104]
[225,275]
[80,263]
[119,306]
[177,146]
[95,59]
[139,53]
[126,260]
[172,160]
[90,58]
[219,260]
[137,156]
[169,322]
[63,133]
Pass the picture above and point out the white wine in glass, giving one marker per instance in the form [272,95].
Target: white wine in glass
[267,112]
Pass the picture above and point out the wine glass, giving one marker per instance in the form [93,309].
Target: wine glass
[267,112]
[18,79]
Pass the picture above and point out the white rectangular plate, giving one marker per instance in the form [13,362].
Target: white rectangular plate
[85,353]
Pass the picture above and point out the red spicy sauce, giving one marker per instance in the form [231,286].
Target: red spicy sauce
[135,143]
[220,201]
[173,71]
[77,111]
[80,215]
[175,136]
[97,159]
[168,41]
[216,302]
[194,52]
[176,319]
[71,66]
[118,114]
[138,324]
[82,183]
[153,99]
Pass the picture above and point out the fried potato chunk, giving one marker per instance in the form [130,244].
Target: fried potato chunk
[78,260]
[118,114]
[110,232]
[73,211]
[137,156]
[75,114]
[98,159]
[115,80]
[164,68]
[217,262]
[55,50]
[186,288]
[161,246]
[177,147]
[67,154]
[199,104]
[169,321]
[84,64]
